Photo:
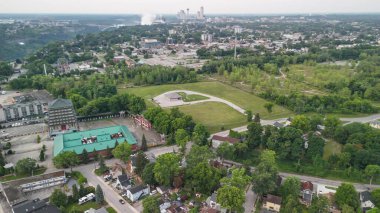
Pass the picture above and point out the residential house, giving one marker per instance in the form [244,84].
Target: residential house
[216,140]
[375,124]
[35,206]
[136,192]
[307,192]
[366,201]
[211,202]
[278,124]
[101,210]
[123,182]
[272,203]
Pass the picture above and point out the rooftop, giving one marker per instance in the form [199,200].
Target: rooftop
[95,139]
[225,139]
[60,103]
[273,199]
[137,189]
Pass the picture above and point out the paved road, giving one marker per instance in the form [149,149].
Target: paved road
[111,196]
[163,101]
[366,119]
[359,186]
[250,199]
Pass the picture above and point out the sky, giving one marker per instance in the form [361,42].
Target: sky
[173,6]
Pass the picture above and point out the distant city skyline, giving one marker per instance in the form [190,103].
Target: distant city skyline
[173,6]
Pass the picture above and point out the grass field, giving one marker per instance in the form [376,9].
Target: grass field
[243,99]
[214,115]
[83,207]
[191,97]
[331,147]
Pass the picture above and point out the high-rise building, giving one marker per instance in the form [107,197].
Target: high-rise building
[202,13]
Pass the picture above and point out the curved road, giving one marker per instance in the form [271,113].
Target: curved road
[163,101]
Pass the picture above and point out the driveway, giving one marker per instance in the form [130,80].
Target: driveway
[250,199]
[111,196]
[164,102]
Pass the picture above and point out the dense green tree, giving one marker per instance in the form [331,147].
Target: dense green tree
[315,146]
[25,166]
[249,115]
[225,151]
[347,195]
[122,151]
[348,209]
[290,188]
[102,166]
[84,156]
[5,69]
[82,190]
[58,198]
[203,178]
[198,154]
[99,195]
[148,174]
[269,106]
[239,178]
[376,196]
[319,205]
[75,192]
[374,210]
[291,205]
[372,171]
[144,146]
[151,205]
[141,162]
[200,135]
[301,122]
[165,168]
[331,124]
[2,160]
[231,198]
[254,134]
[181,138]
[257,118]
[42,155]
[266,173]
[66,159]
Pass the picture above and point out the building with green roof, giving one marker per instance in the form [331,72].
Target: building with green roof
[95,141]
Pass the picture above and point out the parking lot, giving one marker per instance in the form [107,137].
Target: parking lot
[151,136]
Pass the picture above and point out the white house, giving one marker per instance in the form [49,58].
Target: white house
[123,182]
[366,201]
[375,124]
[135,193]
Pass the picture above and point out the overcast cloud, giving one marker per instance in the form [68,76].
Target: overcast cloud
[172,6]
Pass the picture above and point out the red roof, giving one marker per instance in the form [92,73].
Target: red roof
[225,139]
[307,185]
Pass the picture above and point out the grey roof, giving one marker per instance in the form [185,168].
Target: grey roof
[124,180]
[307,197]
[173,95]
[60,103]
[278,124]
[365,196]
[36,206]
[213,197]
[137,189]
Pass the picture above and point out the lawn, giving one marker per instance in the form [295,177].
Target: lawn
[241,98]
[111,210]
[83,207]
[191,97]
[214,115]
[331,147]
